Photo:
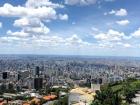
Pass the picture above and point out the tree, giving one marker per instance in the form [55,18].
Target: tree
[11,88]
[107,97]
[2,88]
[128,92]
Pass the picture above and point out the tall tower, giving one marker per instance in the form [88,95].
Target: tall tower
[37,71]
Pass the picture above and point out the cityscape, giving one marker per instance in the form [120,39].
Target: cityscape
[69,52]
[61,80]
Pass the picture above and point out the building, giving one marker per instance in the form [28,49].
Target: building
[38,83]
[81,96]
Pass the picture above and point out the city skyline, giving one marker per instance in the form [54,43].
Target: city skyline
[70,27]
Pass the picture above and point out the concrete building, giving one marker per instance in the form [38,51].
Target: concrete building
[81,96]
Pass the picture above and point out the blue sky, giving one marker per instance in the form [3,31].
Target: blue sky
[70,27]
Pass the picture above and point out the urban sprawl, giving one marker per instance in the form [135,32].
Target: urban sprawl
[61,80]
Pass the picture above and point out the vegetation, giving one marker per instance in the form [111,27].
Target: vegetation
[62,101]
[9,89]
[120,93]
[107,97]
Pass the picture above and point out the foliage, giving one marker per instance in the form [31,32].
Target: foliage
[120,93]
[107,97]
[62,101]
[10,89]
[128,92]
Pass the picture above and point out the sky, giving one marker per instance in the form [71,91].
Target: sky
[70,27]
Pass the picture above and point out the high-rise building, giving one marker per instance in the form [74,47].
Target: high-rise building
[4,75]
[18,77]
[37,71]
[38,83]
[100,80]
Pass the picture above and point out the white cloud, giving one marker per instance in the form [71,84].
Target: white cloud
[85,2]
[43,30]
[105,45]
[47,40]
[136,33]
[33,31]
[72,2]
[29,27]
[31,18]
[43,41]
[42,9]
[127,45]
[123,22]
[19,11]
[9,40]
[121,12]
[80,2]
[24,22]
[112,12]
[63,17]
[0,24]
[109,0]
[17,34]
[75,40]
[111,35]
[21,22]
[32,15]
[30,31]
[39,3]
[113,39]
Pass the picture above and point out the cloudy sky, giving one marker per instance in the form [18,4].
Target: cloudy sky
[70,27]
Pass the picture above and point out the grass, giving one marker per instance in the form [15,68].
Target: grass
[119,86]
